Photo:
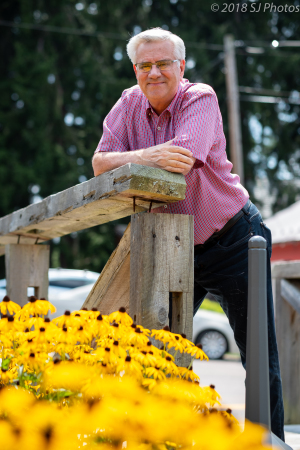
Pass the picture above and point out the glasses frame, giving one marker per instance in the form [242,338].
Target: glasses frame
[155,64]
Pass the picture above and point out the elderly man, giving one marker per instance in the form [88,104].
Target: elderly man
[168,123]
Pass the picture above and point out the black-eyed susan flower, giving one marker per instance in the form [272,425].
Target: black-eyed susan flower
[8,307]
[196,352]
[121,317]
[155,372]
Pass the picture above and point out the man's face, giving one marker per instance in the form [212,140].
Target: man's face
[159,87]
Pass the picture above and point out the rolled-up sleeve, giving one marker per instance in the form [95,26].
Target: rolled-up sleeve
[198,125]
[114,137]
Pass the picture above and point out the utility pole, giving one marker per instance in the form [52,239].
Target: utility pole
[233,103]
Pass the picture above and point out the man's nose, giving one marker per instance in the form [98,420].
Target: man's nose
[154,72]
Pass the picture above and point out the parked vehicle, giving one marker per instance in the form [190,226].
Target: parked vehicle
[213,332]
[61,280]
[69,288]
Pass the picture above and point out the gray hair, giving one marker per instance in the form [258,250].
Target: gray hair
[155,34]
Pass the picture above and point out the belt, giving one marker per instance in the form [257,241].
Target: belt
[218,234]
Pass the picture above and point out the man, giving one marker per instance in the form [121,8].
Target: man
[168,123]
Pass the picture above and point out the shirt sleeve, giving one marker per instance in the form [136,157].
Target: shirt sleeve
[198,125]
[114,137]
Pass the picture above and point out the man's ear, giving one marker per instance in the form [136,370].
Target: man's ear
[135,70]
[182,67]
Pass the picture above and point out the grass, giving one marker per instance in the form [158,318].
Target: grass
[211,306]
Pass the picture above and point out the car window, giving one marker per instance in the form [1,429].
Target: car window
[70,283]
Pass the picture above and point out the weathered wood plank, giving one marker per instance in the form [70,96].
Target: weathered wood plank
[102,199]
[290,291]
[112,288]
[161,263]
[288,338]
[289,269]
[26,266]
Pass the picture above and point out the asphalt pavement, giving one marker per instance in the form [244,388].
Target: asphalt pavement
[228,377]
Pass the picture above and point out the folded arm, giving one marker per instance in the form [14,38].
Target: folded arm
[163,156]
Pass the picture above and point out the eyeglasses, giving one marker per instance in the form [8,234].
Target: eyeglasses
[161,65]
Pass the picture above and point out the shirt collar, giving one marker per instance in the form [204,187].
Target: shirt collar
[170,108]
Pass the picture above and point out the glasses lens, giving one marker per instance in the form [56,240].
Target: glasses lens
[144,67]
[163,65]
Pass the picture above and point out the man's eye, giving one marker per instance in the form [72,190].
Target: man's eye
[145,67]
[163,65]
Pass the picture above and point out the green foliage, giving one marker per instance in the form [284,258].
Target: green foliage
[57,87]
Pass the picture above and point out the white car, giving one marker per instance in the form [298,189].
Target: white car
[61,281]
[213,332]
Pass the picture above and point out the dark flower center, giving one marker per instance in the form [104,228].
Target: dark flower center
[67,313]
[42,329]
[128,358]
[107,349]
[116,342]
[122,309]
[32,355]
[6,299]
[32,299]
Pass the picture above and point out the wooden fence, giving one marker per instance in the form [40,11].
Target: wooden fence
[152,265]
[286,282]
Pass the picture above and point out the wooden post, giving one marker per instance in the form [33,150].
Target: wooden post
[233,102]
[287,313]
[162,262]
[26,266]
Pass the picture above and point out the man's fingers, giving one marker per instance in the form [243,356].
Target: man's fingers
[182,150]
[178,157]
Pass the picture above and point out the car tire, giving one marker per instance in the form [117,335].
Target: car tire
[214,343]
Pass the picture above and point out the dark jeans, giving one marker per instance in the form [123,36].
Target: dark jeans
[222,270]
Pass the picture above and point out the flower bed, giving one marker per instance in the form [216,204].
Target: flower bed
[86,380]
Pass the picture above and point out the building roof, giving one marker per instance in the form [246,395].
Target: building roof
[285,225]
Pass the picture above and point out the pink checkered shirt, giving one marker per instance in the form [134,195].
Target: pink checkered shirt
[214,195]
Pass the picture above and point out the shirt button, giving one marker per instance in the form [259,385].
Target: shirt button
[159,128]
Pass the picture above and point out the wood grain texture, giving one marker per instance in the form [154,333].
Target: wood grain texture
[26,266]
[102,199]
[289,269]
[112,288]
[288,338]
[162,261]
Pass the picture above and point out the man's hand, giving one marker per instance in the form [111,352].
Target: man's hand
[169,157]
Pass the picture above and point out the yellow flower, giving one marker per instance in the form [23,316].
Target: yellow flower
[155,372]
[8,307]
[121,317]
[197,352]
[145,358]
[6,376]
[138,336]
[163,335]
[168,365]
[130,367]
[188,374]
[65,320]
